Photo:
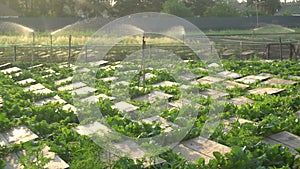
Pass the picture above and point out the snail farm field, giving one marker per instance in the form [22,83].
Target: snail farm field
[258,128]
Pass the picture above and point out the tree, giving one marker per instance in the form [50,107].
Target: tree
[267,7]
[271,6]
[177,8]
[91,8]
[222,8]
[127,7]
[199,6]
[153,5]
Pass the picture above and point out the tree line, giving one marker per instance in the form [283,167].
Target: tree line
[182,8]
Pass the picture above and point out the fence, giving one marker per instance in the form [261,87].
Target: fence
[203,23]
[243,46]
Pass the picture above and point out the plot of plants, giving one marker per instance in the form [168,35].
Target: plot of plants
[49,114]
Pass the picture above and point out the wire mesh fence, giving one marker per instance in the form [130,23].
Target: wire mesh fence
[241,46]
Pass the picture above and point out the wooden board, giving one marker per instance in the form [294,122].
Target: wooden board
[56,162]
[99,63]
[149,76]
[23,82]
[213,93]
[231,85]
[65,80]
[298,113]
[43,91]
[35,66]
[154,96]
[1,101]
[228,74]
[205,146]
[50,71]
[131,149]
[95,99]
[248,52]
[166,84]
[70,107]
[83,70]
[227,122]
[12,161]
[199,147]
[5,66]
[72,86]
[294,77]
[253,78]
[240,120]
[83,91]
[11,70]
[89,129]
[285,138]
[277,81]
[17,135]
[189,154]
[109,79]
[34,87]
[189,76]
[125,107]
[3,140]
[239,101]
[262,91]
[178,103]
[120,83]
[55,99]
[166,125]
[213,65]
[209,80]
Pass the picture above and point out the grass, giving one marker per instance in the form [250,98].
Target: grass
[81,38]
[250,31]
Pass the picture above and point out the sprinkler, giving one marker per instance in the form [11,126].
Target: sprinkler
[142,72]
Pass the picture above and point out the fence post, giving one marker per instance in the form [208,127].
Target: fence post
[281,58]
[297,50]
[70,43]
[86,53]
[241,47]
[268,51]
[211,48]
[32,49]
[291,50]
[51,46]
[15,53]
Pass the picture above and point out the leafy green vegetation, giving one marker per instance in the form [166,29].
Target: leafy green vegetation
[54,125]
